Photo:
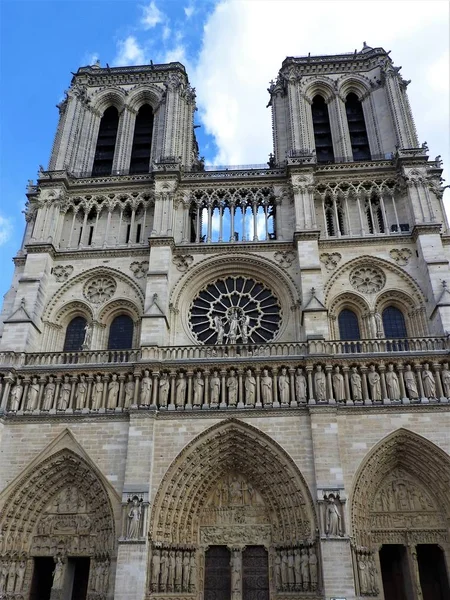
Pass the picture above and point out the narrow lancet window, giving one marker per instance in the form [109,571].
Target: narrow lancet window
[322,131]
[357,128]
[142,141]
[106,142]
[121,333]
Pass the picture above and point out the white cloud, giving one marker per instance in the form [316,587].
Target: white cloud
[129,52]
[177,54]
[189,11]
[6,229]
[166,32]
[237,61]
[152,16]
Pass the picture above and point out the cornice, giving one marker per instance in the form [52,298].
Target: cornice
[41,248]
[233,247]
[99,253]
[374,240]
[426,229]
[232,174]
[307,235]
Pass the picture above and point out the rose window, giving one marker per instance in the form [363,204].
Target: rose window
[100,289]
[367,280]
[235,310]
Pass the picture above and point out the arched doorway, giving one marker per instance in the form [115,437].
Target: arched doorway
[57,529]
[400,514]
[233,517]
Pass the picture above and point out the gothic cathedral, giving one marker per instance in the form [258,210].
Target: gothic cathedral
[231,383]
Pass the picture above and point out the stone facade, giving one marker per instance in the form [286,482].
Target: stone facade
[274,402]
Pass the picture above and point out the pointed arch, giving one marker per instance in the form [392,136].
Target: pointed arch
[30,509]
[232,446]
[423,463]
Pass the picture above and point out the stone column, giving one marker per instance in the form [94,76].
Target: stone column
[405,399]
[365,389]
[384,395]
[328,370]
[292,386]
[309,371]
[348,396]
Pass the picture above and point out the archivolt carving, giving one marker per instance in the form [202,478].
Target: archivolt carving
[71,310]
[401,486]
[358,84]
[189,486]
[60,503]
[367,280]
[325,86]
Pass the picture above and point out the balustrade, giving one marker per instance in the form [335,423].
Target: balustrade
[210,388]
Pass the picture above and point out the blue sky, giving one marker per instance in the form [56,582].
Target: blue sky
[231,49]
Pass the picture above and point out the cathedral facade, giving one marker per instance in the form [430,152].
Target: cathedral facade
[230,384]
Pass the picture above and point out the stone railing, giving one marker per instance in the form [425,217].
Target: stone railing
[293,381]
[272,351]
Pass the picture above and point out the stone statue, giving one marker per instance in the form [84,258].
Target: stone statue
[374,383]
[192,572]
[297,569]
[11,577]
[113,392]
[180,391]
[164,570]
[81,393]
[283,386]
[291,576]
[232,385]
[214,388]
[171,573]
[178,571]
[146,389]
[156,566]
[164,387]
[245,322]
[21,567]
[58,574]
[410,383]
[233,330]
[320,384]
[277,572]
[218,322]
[97,393]
[429,383]
[338,385]
[284,569]
[250,389]
[379,329]
[3,575]
[392,385]
[446,380]
[134,519]
[64,395]
[199,389]
[300,386]
[355,381]
[186,565]
[33,395]
[363,575]
[16,396]
[372,575]
[304,560]
[313,568]
[266,388]
[129,391]
[87,337]
[332,517]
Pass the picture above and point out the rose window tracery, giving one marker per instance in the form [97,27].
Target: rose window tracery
[99,289]
[235,310]
[367,280]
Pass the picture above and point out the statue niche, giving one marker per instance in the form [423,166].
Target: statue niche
[234,510]
[402,503]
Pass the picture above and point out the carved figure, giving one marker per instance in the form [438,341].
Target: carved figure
[33,395]
[192,572]
[164,570]
[134,519]
[214,388]
[355,381]
[156,566]
[186,563]
[146,389]
[304,559]
[291,576]
[300,386]
[320,384]
[3,576]
[372,575]
[284,569]
[164,386]
[88,329]
[379,329]
[374,383]
[58,574]
[178,570]
[283,386]
[129,391]
[16,396]
[393,388]
[199,389]
[97,393]
[232,385]
[20,575]
[297,568]
[11,577]
[277,572]
[113,392]
[245,322]
[171,571]
[446,380]
[49,392]
[250,389]
[233,330]
[180,390]
[64,395]
[266,388]
[218,322]
[429,383]
[338,385]
[363,575]
[332,518]
[313,568]
[81,393]
[236,574]
[410,383]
